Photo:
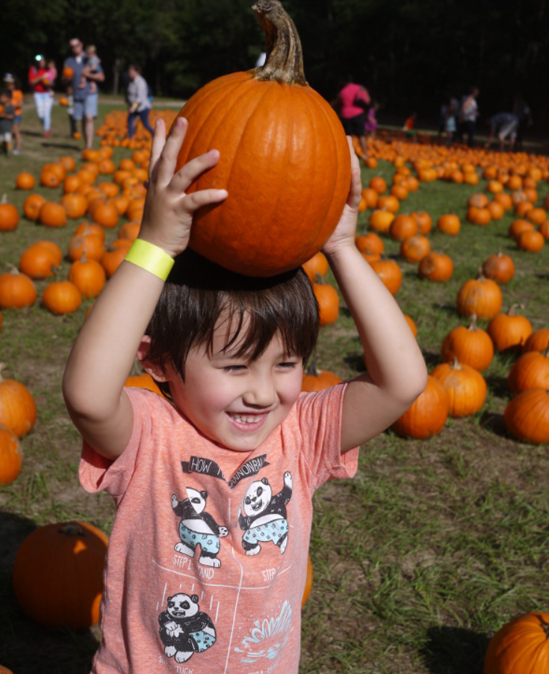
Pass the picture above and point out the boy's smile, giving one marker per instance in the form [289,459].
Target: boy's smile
[234,401]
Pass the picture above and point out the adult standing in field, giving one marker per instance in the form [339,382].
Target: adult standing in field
[83,80]
[138,100]
[504,124]
[353,101]
[41,87]
[469,114]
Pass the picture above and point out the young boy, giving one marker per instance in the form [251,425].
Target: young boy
[208,553]
[7,115]
[14,87]
[92,64]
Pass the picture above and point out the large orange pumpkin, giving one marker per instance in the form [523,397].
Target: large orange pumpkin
[64,589]
[17,406]
[521,645]
[11,457]
[284,160]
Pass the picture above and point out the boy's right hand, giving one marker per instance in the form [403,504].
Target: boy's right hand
[168,214]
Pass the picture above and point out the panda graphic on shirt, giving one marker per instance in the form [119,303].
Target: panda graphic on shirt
[198,528]
[262,516]
[184,628]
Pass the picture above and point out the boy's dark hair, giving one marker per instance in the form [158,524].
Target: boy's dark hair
[197,293]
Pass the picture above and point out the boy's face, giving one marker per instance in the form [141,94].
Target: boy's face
[235,402]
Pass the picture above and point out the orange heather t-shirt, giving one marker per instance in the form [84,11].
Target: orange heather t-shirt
[207,558]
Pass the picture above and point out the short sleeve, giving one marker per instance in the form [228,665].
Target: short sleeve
[319,419]
[97,473]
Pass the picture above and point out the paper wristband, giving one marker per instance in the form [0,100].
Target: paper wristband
[153,259]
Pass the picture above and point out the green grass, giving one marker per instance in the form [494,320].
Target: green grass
[418,560]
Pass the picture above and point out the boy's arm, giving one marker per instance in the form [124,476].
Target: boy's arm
[103,353]
[396,368]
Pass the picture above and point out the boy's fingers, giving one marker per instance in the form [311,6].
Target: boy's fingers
[201,198]
[170,151]
[191,171]
[158,142]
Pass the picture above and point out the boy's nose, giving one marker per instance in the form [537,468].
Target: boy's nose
[260,393]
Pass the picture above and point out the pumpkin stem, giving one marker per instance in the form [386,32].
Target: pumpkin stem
[284,62]
[545,627]
[312,368]
[4,198]
[473,324]
[455,365]
[513,307]
[319,279]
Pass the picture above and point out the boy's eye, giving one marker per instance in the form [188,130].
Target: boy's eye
[234,368]
[289,365]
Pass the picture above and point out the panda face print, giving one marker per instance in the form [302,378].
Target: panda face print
[197,499]
[258,498]
[182,606]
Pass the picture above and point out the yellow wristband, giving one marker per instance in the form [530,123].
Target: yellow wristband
[153,259]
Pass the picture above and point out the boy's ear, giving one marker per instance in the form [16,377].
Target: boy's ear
[152,367]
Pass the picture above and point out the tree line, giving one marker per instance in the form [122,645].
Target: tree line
[412,55]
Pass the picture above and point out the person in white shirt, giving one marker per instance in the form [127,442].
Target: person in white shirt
[138,100]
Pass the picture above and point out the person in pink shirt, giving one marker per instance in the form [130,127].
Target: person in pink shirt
[353,102]
[213,480]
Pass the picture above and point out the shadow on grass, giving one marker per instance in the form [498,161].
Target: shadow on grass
[453,650]
[62,146]
[497,385]
[494,423]
[52,651]
[355,361]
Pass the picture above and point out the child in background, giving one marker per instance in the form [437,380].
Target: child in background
[92,64]
[214,483]
[14,87]
[409,124]
[7,115]
[51,76]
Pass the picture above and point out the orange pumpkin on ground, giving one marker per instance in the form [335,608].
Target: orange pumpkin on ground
[283,127]
[510,330]
[88,276]
[17,406]
[67,599]
[531,370]
[449,224]
[11,456]
[61,297]
[538,341]
[480,296]
[427,414]
[471,346]
[32,205]
[328,302]
[53,214]
[402,227]
[38,262]
[415,248]
[318,264]
[315,379]
[532,242]
[466,387]
[436,267]
[499,268]
[390,274]
[521,645]
[25,181]
[9,216]
[527,416]
[16,290]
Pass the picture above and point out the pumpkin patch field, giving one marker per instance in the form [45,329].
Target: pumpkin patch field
[441,538]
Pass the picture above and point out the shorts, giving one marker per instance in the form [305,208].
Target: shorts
[273,531]
[5,137]
[208,542]
[86,108]
[354,126]
[17,119]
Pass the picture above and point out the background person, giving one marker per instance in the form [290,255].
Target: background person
[469,114]
[504,124]
[85,100]
[138,100]
[7,115]
[39,81]
[353,101]
[14,87]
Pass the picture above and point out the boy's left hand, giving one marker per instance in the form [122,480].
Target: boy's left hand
[345,231]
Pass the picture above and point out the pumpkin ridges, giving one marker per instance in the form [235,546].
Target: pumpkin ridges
[527,416]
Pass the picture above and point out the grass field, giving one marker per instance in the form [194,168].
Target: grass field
[418,560]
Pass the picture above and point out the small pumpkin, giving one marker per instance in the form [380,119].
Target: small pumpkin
[318,264]
[17,406]
[16,290]
[415,248]
[390,274]
[315,379]
[470,345]
[427,414]
[328,302]
[500,268]
[522,645]
[11,456]
[465,387]
[32,205]
[436,267]
[531,370]
[510,330]
[53,214]
[527,416]
[479,296]
[402,227]
[61,297]
[532,241]
[64,590]
[9,216]
[25,181]
[449,224]
[538,341]
[38,262]
[424,221]
[88,276]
